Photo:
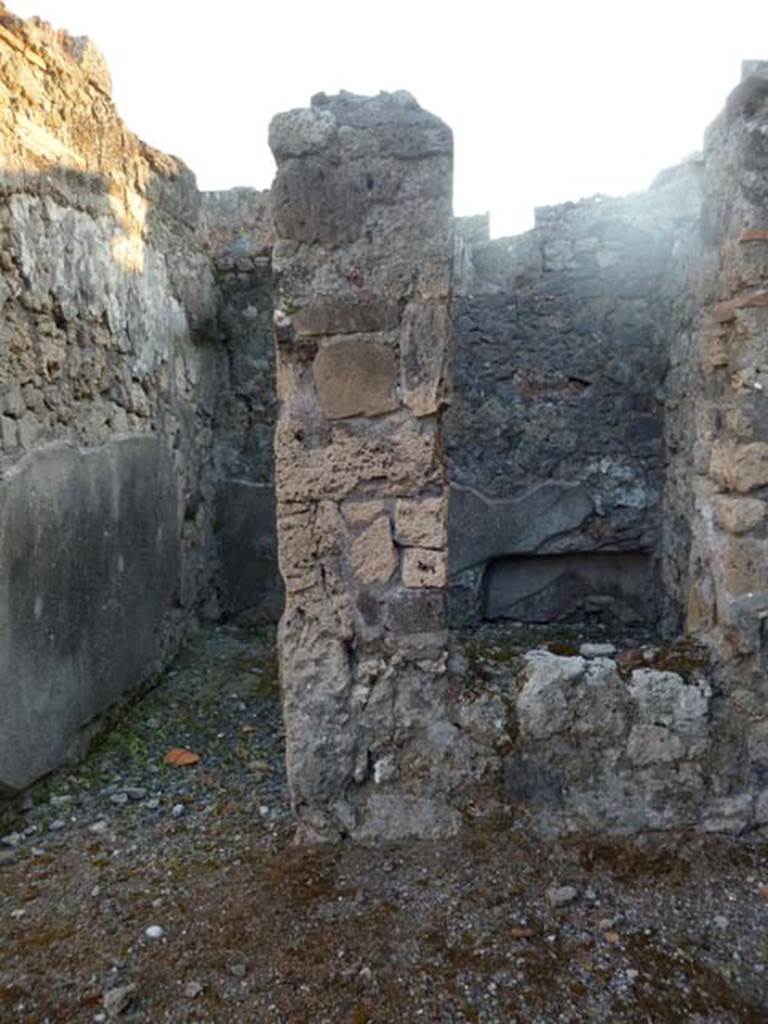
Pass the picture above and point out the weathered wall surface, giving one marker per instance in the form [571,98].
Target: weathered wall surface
[603,741]
[362,261]
[608,744]
[555,436]
[726,386]
[108,378]
[236,230]
[607,451]
[725,394]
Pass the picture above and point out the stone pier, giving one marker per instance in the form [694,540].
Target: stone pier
[728,593]
[362,276]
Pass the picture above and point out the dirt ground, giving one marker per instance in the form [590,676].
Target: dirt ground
[248,927]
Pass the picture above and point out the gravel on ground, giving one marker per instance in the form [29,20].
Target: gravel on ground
[132,889]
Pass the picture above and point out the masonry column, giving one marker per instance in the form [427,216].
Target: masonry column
[728,597]
[362,274]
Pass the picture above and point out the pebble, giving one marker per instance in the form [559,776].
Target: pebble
[192,989]
[177,810]
[263,810]
[12,839]
[98,828]
[117,1000]
[57,825]
[61,801]
[152,805]
[119,799]
[597,650]
[237,970]
[135,792]
[721,922]
[559,895]
[17,914]
[154,932]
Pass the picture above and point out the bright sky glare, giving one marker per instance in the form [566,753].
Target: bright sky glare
[549,100]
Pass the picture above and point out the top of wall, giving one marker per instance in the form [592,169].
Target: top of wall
[236,222]
[572,237]
[65,138]
[43,46]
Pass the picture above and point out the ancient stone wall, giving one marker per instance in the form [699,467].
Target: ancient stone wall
[236,230]
[728,411]
[109,372]
[555,436]
[606,451]
[362,264]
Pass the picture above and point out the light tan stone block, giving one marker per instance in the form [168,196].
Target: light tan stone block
[714,349]
[744,565]
[423,567]
[740,467]
[424,343]
[355,378]
[360,513]
[337,315]
[420,522]
[397,459]
[737,515]
[372,555]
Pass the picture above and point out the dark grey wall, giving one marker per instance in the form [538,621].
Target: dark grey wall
[555,437]
[236,227]
[89,565]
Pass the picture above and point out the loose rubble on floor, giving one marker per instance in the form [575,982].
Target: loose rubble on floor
[136,890]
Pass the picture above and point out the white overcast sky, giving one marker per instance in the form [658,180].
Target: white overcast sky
[549,100]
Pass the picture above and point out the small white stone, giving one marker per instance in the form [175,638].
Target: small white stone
[177,810]
[264,810]
[98,828]
[154,932]
[61,801]
[559,895]
[597,650]
[57,825]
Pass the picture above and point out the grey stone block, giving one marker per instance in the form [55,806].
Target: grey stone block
[482,528]
[89,558]
[245,518]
